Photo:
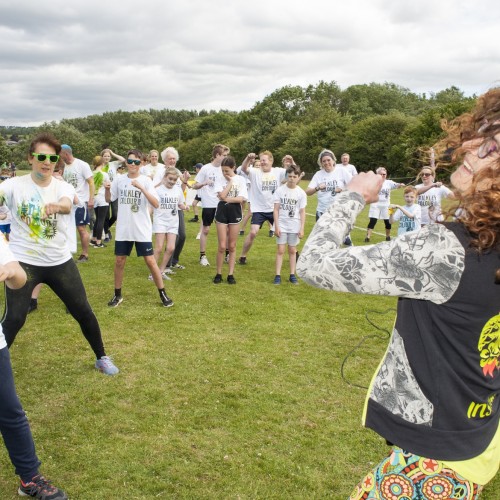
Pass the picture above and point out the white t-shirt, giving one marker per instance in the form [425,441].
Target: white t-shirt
[6,211]
[350,168]
[134,221]
[34,238]
[337,178]
[239,171]
[208,194]
[100,178]
[430,201]
[238,187]
[407,224]
[152,171]
[77,174]
[263,187]
[6,256]
[291,201]
[168,211]
[112,170]
[379,209]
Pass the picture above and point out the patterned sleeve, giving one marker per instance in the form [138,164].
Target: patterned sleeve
[426,264]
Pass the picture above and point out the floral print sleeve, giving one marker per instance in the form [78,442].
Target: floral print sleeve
[426,264]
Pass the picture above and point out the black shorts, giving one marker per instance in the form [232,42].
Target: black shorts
[142,248]
[258,218]
[208,216]
[228,213]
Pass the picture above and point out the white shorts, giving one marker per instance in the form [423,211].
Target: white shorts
[378,212]
[292,239]
[163,228]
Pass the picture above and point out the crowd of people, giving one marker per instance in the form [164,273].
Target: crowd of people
[446,275]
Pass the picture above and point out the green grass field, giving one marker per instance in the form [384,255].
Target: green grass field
[234,393]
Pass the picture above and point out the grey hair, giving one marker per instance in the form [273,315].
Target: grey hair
[170,150]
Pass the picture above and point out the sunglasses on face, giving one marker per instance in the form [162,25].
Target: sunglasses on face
[42,157]
[489,145]
[136,162]
[425,174]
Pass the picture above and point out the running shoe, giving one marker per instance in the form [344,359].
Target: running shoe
[242,233]
[106,366]
[293,279]
[194,219]
[165,300]
[165,277]
[367,240]
[387,238]
[169,270]
[100,245]
[204,261]
[218,279]
[115,301]
[39,487]
[82,258]
[242,260]
[198,236]
[271,233]
[226,258]
[277,280]
[150,277]
[231,280]
[178,266]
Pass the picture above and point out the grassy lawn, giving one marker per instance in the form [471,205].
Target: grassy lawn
[234,393]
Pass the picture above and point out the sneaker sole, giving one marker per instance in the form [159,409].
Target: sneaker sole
[167,305]
[115,305]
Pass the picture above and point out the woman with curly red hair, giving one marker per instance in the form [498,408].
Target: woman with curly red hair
[434,396]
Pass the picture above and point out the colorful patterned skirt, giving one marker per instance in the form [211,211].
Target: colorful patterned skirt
[404,476]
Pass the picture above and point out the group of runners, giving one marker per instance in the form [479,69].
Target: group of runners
[144,197]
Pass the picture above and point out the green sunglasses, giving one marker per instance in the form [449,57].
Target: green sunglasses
[130,161]
[42,157]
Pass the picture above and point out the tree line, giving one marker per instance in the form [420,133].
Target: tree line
[377,124]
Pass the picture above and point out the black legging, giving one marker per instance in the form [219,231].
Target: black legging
[373,221]
[100,216]
[110,220]
[179,241]
[67,284]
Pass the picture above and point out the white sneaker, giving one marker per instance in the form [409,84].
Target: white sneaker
[198,236]
[150,277]
[168,270]
[166,277]
[204,261]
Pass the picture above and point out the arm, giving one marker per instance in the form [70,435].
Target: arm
[90,182]
[302,222]
[152,199]
[424,189]
[118,157]
[312,190]
[277,230]
[107,191]
[63,206]
[249,160]
[422,265]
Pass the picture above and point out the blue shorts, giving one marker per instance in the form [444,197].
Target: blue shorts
[5,228]
[82,217]
[258,218]
[142,248]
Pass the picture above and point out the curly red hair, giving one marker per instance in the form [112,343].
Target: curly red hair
[479,207]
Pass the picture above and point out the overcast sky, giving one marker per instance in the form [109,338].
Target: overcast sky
[64,59]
